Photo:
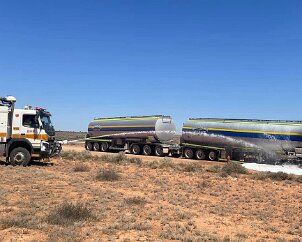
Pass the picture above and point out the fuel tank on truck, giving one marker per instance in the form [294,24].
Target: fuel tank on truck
[271,135]
[160,128]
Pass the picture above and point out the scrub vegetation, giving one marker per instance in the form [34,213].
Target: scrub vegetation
[119,197]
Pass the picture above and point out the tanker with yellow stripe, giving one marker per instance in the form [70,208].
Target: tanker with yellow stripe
[25,134]
[242,139]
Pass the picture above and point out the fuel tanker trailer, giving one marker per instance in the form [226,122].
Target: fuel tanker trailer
[146,135]
[242,139]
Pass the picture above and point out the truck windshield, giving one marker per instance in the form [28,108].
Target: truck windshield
[46,123]
[45,119]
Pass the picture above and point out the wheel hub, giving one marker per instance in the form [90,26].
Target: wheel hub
[19,157]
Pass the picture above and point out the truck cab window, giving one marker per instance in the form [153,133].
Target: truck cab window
[29,121]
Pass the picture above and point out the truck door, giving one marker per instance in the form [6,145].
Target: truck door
[29,127]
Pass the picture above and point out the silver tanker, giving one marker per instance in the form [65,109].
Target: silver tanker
[262,140]
[138,134]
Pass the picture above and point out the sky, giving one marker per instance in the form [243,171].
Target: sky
[202,58]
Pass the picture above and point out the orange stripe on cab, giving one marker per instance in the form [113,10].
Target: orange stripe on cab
[31,136]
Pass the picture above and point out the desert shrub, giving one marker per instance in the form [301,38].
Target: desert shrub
[214,168]
[118,158]
[280,176]
[80,167]
[68,213]
[74,155]
[135,160]
[135,201]
[233,168]
[19,221]
[189,167]
[64,234]
[180,232]
[203,184]
[298,179]
[277,176]
[165,162]
[121,158]
[107,175]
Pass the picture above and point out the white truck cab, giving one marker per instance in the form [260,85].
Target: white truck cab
[25,134]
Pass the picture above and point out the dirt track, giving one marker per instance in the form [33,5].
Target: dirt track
[146,204]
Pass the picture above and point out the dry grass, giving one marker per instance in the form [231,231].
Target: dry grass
[176,200]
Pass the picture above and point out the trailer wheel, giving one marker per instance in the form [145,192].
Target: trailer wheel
[189,154]
[104,147]
[96,146]
[147,150]
[159,151]
[89,146]
[200,154]
[212,155]
[135,149]
[19,156]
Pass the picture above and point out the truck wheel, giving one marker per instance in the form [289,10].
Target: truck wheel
[104,147]
[19,156]
[147,150]
[96,146]
[135,149]
[212,155]
[89,146]
[159,151]
[200,155]
[189,153]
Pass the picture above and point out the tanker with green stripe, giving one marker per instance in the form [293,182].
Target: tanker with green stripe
[271,136]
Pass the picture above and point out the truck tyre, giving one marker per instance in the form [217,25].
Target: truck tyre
[200,154]
[135,149]
[189,154]
[147,150]
[19,156]
[104,147]
[89,146]
[212,155]
[96,146]
[159,151]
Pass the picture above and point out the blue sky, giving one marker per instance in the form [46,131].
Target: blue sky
[203,58]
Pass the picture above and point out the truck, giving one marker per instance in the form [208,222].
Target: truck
[147,135]
[25,134]
[249,140]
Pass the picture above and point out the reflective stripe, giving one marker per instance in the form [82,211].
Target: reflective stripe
[291,123]
[31,136]
[118,119]
[123,126]
[245,131]
[96,139]
[2,135]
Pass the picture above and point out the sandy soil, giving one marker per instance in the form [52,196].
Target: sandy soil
[146,204]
